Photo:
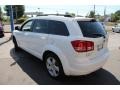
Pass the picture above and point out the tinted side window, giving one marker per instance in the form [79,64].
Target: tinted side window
[58,28]
[40,26]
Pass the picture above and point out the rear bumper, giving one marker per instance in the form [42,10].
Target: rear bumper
[88,67]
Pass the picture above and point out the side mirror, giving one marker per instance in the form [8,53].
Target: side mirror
[17,28]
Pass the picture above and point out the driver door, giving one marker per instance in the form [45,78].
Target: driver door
[25,34]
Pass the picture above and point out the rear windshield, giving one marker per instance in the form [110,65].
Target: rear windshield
[92,29]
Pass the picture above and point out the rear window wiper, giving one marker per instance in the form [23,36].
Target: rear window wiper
[98,34]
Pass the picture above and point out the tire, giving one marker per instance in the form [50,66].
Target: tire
[15,44]
[53,66]
[112,29]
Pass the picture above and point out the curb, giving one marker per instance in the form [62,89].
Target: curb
[6,40]
[7,32]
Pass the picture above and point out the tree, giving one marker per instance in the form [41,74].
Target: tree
[72,14]
[18,10]
[117,13]
[67,13]
[92,14]
[115,16]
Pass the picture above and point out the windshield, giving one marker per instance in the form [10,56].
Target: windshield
[92,29]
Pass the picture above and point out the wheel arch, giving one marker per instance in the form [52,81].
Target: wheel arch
[60,55]
[13,38]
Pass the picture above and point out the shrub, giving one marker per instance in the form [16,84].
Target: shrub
[20,20]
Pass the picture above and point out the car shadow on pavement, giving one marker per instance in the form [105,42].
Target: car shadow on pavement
[35,69]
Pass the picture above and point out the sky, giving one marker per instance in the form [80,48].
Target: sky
[77,9]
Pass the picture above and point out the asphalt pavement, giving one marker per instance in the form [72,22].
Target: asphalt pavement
[6,38]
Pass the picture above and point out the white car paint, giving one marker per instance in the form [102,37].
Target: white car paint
[73,63]
[116,28]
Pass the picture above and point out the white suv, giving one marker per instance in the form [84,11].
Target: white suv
[67,45]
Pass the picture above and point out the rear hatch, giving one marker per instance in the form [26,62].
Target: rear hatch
[94,31]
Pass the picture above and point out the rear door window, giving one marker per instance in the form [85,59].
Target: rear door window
[92,29]
[58,28]
[40,26]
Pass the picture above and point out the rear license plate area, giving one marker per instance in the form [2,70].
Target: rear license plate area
[99,47]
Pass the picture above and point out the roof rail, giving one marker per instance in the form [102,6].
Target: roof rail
[65,15]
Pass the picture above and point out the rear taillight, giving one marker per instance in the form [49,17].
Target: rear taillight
[82,46]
